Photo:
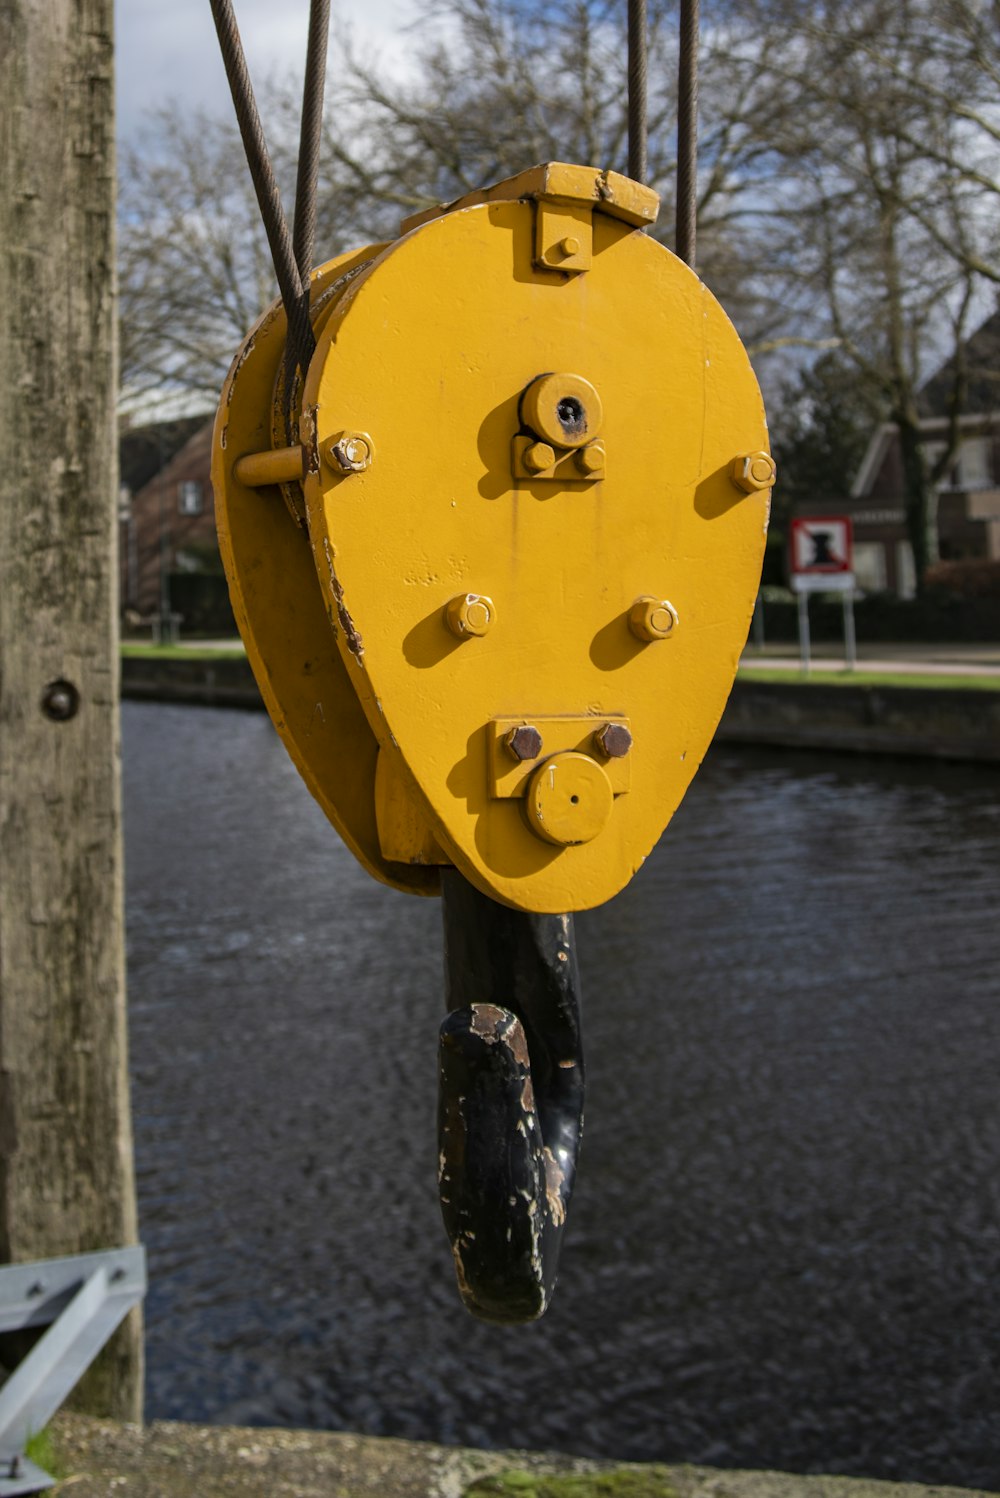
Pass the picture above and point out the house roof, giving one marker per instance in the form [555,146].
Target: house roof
[143,451]
[981,354]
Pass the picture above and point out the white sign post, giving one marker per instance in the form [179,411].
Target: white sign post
[822,561]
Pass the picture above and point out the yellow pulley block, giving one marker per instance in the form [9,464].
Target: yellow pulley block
[532,460]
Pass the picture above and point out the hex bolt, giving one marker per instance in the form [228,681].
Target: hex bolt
[470,614]
[352,452]
[590,459]
[752,472]
[652,618]
[60,701]
[568,246]
[613,740]
[539,456]
[524,742]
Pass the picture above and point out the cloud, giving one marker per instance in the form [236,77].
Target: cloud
[170,51]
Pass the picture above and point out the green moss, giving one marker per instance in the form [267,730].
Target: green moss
[872,679]
[41,1450]
[622,1482]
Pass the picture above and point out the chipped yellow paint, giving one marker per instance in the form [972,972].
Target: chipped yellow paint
[279,607]
[559,182]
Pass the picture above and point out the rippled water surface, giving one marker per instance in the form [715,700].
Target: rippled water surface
[784,1248]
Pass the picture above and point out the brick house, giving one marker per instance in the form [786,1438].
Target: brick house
[968,494]
[166,513]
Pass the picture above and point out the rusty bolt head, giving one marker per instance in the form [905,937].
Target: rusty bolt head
[613,740]
[352,452]
[590,459]
[752,472]
[539,456]
[524,742]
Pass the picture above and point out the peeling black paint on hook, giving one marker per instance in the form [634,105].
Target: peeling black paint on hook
[510,1113]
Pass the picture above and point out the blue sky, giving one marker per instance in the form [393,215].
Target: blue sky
[167,49]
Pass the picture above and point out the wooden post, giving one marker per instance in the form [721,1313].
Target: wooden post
[66,1171]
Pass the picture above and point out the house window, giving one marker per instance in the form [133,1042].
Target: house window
[189,497]
[974,469]
[869,566]
[906,572]
[971,468]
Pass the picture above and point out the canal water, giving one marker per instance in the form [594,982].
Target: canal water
[784,1248]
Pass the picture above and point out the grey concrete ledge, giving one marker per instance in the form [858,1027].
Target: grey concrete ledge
[932,722]
[166,1460]
[944,723]
[215,682]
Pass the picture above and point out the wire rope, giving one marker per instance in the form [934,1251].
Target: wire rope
[279,240]
[638,47]
[687,134]
[304,230]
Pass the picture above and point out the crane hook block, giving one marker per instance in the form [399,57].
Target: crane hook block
[491,557]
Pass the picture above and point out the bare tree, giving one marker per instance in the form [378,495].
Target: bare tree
[495,87]
[194,268]
[847,182]
[887,195]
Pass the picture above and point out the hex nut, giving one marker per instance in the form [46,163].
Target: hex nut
[753,472]
[352,452]
[613,740]
[538,457]
[524,742]
[590,459]
[470,614]
[652,618]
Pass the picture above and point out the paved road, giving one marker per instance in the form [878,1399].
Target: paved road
[948,660]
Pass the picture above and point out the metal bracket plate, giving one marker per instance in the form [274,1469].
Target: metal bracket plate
[509,777]
[568,466]
[564,236]
[81,1300]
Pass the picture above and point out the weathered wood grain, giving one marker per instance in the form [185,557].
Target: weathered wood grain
[66,1172]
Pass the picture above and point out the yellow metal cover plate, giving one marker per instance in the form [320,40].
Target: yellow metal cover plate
[281,612]
[429,352]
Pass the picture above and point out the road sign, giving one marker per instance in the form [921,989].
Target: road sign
[821,546]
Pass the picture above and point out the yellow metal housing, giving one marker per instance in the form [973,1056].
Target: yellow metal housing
[526,427]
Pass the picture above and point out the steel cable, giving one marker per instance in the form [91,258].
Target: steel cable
[637,90]
[304,231]
[265,185]
[687,133]
[301,342]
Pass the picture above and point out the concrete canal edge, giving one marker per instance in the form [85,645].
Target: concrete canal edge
[167,1460]
[937,722]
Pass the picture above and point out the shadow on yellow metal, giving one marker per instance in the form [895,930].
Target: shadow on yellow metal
[522,445]
[280,609]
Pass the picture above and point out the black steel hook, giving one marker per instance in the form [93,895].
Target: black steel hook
[510,1112]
